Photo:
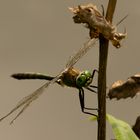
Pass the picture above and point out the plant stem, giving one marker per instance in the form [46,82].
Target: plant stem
[103,53]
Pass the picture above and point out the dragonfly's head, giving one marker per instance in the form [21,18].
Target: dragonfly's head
[84,79]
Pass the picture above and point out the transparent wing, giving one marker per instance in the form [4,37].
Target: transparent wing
[87,46]
[26,101]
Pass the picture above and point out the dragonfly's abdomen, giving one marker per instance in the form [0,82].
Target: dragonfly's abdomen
[28,75]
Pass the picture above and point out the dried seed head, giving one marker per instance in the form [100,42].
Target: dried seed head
[82,13]
[95,21]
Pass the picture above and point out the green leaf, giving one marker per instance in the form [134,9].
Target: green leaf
[121,129]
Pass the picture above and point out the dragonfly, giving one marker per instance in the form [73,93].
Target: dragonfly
[69,76]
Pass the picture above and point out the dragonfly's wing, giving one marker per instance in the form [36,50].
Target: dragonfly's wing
[87,46]
[25,102]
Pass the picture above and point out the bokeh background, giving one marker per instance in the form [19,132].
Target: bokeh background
[40,36]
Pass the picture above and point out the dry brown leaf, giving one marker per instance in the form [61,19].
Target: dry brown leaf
[124,89]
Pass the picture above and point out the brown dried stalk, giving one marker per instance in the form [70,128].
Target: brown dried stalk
[103,53]
[136,127]
[103,29]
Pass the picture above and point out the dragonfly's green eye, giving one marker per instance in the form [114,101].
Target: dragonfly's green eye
[84,79]
[87,74]
[81,80]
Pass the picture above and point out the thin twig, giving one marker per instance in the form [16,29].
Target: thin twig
[103,53]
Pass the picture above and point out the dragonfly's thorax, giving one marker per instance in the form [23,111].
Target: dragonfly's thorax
[74,78]
[69,77]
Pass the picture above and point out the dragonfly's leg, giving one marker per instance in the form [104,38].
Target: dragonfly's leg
[90,89]
[92,86]
[83,93]
[93,73]
[82,103]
